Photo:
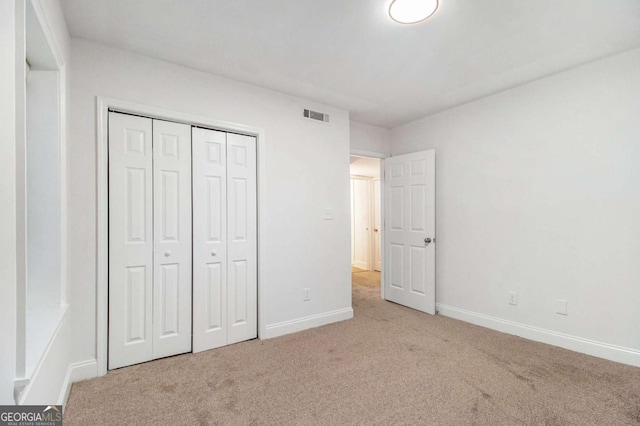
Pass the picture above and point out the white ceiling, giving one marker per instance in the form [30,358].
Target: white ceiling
[364,166]
[348,53]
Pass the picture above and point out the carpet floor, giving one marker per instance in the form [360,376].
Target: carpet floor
[388,365]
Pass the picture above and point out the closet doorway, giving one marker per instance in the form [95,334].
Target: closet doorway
[182,238]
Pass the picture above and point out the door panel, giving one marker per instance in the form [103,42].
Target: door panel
[170,298]
[130,240]
[136,213]
[238,296]
[410,216]
[396,254]
[417,268]
[238,208]
[135,305]
[172,238]
[209,239]
[242,261]
[215,307]
[396,208]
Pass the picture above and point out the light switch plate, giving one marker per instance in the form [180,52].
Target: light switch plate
[561,307]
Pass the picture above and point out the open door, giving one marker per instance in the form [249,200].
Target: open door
[409,185]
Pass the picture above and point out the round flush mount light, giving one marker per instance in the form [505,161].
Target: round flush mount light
[412,11]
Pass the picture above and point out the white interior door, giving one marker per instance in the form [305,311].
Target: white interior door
[409,185]
[130,240]
[209,239]
[361,198]
[172,238]
[242,232]
[377,226]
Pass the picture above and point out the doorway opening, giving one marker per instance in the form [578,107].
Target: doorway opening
[366,224]
[399,241]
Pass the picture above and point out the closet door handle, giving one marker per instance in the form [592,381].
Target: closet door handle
[213,253]
[167,253]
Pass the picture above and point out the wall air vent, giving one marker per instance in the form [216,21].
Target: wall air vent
[315,115]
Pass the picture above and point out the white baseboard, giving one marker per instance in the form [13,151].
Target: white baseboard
[578,344]
[293,326]
[76,372]
[360,265]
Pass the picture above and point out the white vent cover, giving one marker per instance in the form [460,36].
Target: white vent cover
[315,115]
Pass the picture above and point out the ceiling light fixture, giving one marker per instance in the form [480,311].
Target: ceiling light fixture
[412,11]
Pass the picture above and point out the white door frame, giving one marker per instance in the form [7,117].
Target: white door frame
[103,105]
[381,156]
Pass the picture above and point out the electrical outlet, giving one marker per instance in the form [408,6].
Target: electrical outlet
[561,307]
[306,294]
[328,214]
[513,298]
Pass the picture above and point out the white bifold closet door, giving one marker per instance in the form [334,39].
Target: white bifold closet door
[224,239]
[172,238]
[149,239]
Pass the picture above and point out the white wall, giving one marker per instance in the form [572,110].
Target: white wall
[538,191]
[365,166]
[365,137]
[43,191]
[307,171]
[8,197]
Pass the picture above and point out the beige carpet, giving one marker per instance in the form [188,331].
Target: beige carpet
[389,365]
[364,278]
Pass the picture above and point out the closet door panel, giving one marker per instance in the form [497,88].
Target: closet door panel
[242,246]
[130,240]
[209,239]
[172,238]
